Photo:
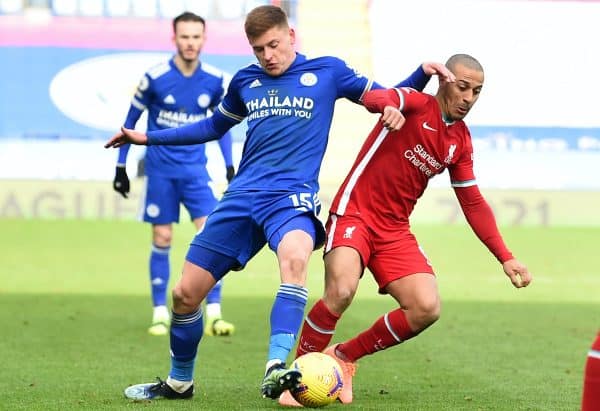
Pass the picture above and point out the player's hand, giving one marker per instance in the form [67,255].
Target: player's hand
[127,136]
[439,69]
[230,174]
[121,181]
[519,274]
[392,118]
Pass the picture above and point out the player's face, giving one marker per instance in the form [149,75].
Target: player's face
[189,39]
[457,98]
[275,50]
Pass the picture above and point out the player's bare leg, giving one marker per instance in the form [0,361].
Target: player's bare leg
[293,253]
[419,298]
[214,324]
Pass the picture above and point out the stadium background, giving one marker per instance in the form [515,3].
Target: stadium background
[73,65]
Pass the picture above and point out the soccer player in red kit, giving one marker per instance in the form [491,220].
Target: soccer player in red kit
[591,381]
[418,137]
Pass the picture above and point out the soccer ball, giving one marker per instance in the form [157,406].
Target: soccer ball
[322,380]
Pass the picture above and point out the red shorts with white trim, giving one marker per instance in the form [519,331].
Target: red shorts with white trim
[388,255]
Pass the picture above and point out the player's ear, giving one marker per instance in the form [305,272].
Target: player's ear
[292,36]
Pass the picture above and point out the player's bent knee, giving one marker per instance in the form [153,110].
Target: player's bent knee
[425,312]
[339,297]
[162,235]
[184,302]
[293,270]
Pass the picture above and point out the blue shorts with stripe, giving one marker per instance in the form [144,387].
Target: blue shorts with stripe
[165,195]
[244,221]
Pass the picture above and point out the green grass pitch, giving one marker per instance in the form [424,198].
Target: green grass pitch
[74,308]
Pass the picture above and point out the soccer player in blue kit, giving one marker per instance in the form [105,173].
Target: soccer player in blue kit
[288,101]
[177,92]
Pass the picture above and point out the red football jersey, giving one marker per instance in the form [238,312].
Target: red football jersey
[393,167]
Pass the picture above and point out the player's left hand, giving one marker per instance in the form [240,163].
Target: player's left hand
[127,136]
[121,181]
[230,173]
[517,272]
[392,118]
[439,69]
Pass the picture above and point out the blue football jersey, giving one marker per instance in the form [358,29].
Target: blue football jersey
[173,100]
[289,117]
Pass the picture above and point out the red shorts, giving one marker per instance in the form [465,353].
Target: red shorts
[389,255]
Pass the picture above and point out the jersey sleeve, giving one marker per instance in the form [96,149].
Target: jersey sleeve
[480,217]
[218,95]
[211,128]
[139,102]
[232,106]
[350,83]
[461,173]
[225,144]
[417,80]
[143,94]
[405,99]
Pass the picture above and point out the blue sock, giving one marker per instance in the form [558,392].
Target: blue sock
[186,333]
[287,314]
[159,274]
[214,295]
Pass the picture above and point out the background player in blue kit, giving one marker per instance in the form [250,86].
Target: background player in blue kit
[177,92]
[288,101]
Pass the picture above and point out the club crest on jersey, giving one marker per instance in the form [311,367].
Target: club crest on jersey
[450,155]
[203,100]
[308,79]
[348,232]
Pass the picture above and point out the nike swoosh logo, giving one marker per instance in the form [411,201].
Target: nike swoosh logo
[428,127]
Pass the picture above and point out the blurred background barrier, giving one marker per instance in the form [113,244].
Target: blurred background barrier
[74,64]
[72,199]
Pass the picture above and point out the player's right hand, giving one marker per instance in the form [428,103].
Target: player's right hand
[121,181]
[517,272]
[392,118]
[127,136]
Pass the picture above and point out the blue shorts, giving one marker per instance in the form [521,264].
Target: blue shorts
[243,222]
[164,196]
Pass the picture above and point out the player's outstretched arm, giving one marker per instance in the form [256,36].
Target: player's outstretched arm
[517,272]
[480,217]
[421,76]
[127,136]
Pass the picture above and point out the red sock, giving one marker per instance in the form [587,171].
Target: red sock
[389,330]
[591,382]
[317,330]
